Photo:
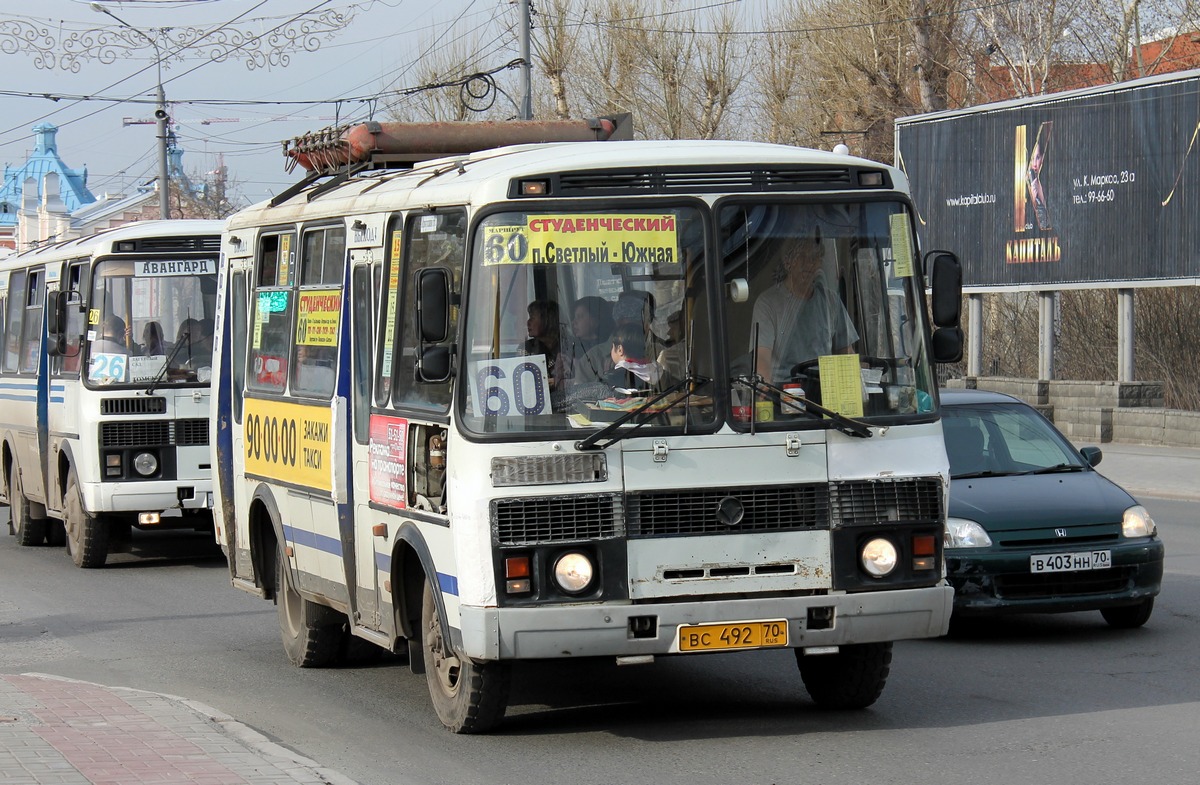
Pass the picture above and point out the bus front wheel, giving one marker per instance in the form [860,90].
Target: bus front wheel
[312,634]
[851,679]
[29,531]
[469,697]
[87,535]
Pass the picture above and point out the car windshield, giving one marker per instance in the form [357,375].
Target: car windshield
[1003,439]
[577,318]
[151,320]
[824,303]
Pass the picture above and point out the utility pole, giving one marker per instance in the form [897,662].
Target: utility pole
[160,115]
[526,65]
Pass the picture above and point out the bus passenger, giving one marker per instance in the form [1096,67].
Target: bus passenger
[633,367]
[545,338]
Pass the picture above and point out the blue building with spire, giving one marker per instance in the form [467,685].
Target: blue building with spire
[44,160]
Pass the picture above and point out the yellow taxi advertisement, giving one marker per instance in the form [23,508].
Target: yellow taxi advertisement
[290,442]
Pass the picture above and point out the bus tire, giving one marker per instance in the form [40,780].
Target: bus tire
[851,679]
[468,697]
[312,633]
[28,530]
[56,534]
[87,535]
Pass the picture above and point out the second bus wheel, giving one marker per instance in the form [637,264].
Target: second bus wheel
[28,530]
[87,535]
[851,679]
[312,634]
[469,697]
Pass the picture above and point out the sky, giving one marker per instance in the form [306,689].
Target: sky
[221,110]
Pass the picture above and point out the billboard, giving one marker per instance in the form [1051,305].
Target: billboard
[1076,188]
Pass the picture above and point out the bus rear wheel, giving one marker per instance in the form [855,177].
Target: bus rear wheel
[469,697]
[28,530]
[87,535]
[851,679]
[312,634]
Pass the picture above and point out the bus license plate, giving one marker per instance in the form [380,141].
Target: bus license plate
[1070,562]
[735,635]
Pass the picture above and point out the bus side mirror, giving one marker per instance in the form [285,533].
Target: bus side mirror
[946,282]
[947,344]
[434,299]
[433,304]
[60,306]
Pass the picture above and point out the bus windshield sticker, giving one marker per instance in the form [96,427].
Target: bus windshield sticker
[285,256]
[901,247]
[107,368]
[389,439]
[317,323]
[511,386]
[93,317]
[841,383]
[145,369]
[163,268]
[584,239]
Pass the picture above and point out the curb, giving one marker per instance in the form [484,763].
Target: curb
[227,725]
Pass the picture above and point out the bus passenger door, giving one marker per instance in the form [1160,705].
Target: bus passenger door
[362,306]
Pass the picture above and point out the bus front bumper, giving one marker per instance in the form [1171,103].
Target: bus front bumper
[654,629]
[135,497]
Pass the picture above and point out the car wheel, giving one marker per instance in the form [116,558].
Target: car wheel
[29,531]
[851,679]
[1128,617]
[469,697]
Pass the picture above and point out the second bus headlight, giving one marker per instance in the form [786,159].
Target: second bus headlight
[145,463]
[573,572]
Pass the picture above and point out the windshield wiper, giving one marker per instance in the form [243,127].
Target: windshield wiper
[837,421]
[186,338]
[1056,468]
[611,432]
[984,473]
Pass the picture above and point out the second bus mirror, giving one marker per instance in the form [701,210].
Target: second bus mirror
[945,279]
[433,304]
[434,365]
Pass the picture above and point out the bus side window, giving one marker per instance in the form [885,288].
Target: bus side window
[270,345]
[323,259]
[434,240]
[12,334]
[361,310]
[70,362]
[31,337]
[237,293]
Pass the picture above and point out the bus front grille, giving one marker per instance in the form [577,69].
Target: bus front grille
[538,519]
[152,405]
[154,433]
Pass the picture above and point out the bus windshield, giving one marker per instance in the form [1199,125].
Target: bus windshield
[151,320]
[824,306]
[577,317]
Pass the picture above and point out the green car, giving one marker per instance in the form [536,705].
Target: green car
[1033,527]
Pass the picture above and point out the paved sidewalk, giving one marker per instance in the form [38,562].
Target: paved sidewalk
[56,731]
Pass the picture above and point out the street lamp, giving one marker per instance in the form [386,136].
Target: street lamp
[160,115]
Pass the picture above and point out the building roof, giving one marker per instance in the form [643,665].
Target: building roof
[43,160]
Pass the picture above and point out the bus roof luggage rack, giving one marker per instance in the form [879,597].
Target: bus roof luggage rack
[400,145]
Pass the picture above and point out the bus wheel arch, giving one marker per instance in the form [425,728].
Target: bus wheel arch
[266,533]
[28,529]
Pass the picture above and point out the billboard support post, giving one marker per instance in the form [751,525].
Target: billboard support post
[1125,368]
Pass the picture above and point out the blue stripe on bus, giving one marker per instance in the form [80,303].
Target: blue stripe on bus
[26,398]
[447,583]
[313,540]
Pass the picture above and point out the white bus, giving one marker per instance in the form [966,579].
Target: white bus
[423,440]
[105,382]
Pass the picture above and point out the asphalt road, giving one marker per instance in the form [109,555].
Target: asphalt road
[1025,699]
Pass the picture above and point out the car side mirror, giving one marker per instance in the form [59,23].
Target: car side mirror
[946,282]
[1092,455]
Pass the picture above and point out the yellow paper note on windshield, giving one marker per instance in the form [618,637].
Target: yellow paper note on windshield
[901,245]
[841,384]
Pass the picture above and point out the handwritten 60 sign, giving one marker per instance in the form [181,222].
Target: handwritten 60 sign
[511,386]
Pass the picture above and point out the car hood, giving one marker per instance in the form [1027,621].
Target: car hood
[1038,500]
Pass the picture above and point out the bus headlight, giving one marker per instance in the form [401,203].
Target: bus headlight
[145,464]
[878,557]
[573,572]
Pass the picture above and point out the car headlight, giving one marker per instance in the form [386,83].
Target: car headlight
[1138,523]
[878,556]
[573,572]
[145,464]
[963,533]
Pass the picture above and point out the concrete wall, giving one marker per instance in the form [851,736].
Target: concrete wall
[1100,411]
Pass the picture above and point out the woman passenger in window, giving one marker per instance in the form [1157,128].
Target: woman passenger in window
[545,338]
